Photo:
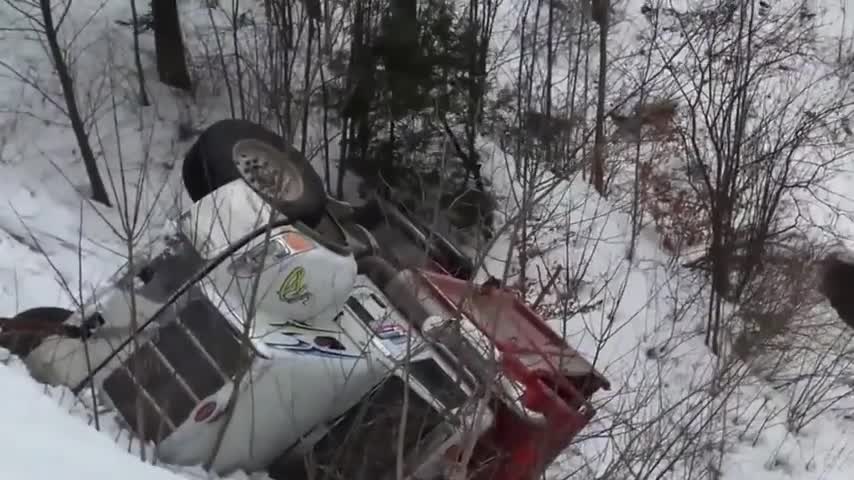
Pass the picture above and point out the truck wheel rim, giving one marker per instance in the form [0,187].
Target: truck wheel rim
[268,170]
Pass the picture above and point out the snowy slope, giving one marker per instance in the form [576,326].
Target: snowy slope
[644,336]
[41,440]
[56,246]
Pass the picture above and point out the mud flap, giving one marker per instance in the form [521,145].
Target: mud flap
[22,336]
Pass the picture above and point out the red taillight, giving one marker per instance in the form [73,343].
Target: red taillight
[204,412]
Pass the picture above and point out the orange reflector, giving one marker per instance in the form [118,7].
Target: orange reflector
[296,243]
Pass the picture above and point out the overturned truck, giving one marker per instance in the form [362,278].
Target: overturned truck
[273,330]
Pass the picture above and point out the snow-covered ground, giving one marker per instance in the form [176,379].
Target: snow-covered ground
[647,339]
[56,245]
[645,336]
[41,440]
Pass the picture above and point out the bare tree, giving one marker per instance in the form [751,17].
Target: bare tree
[599,14]
[40,15]
[746,145]
[169,45]
[143,95]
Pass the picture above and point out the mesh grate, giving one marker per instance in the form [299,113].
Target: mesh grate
[191,358]
[213,332]
[125,393]
[191,364]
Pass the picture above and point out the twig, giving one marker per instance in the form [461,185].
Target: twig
[547,287]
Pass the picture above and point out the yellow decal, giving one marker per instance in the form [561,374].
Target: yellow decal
[293,287]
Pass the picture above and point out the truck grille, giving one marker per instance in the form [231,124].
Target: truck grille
[191,357]
[371,431]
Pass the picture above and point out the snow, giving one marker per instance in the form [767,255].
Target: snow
[670,392]
[41,440]
[645,336]
[58,246]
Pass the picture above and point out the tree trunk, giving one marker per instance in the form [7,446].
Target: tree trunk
[597,174]
[140,76]
[169,45]
[99,192]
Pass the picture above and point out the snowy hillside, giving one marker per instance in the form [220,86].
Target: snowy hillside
[674,410]
[57,245]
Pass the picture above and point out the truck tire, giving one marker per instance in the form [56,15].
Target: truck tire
[232,149]
[25,331]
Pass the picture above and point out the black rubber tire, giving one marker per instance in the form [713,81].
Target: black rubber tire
[194,179]
[211,163]
[24,332]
